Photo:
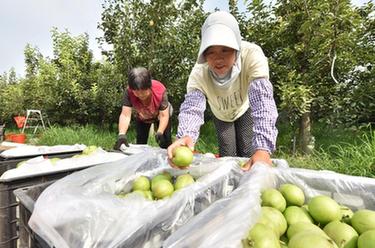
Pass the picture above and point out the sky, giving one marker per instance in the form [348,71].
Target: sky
[25,22]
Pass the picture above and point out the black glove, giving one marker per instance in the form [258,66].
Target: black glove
[159,137]
[121,140]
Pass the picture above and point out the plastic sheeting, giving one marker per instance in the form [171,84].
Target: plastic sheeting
[134,148]
[81,210]
[30,150]
[228,220]
[40,165]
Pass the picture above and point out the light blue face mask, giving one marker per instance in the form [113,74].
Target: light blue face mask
[226,80]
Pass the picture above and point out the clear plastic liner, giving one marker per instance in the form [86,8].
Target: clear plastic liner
[31,150]
[40,165]
[353,191]
[81,210]
[228,220]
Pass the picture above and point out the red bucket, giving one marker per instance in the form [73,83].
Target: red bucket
[17,138]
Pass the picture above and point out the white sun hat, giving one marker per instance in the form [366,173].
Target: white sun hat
[219,29]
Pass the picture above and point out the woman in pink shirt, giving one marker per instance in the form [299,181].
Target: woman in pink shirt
[148,98]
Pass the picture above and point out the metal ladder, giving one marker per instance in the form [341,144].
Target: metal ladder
[33,120]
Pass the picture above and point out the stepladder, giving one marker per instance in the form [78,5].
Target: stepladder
[34,120]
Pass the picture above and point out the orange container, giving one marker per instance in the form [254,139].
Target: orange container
[17,138]
[8,137]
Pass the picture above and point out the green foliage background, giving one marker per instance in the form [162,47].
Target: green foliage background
[321,56]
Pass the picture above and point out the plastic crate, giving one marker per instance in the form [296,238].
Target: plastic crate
[159,228]
[11,163]
[9,231]
[221,183]
[222,224]
[28,196]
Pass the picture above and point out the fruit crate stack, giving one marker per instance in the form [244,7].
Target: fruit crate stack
[28,196]
[347,194]
[110,219]
[22,171]
[9,232]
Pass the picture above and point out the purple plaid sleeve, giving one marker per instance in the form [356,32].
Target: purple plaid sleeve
[264,115]
[191,115]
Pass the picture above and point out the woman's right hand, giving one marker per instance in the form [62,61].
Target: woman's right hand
[184,141]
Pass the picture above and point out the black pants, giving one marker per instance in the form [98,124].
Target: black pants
[235,138]
[143,130]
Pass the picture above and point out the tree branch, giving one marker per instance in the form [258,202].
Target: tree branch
[333,67]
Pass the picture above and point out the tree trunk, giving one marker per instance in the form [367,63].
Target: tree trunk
[305,133]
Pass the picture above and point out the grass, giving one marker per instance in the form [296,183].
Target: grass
[351,153]
[91,135]
[345,151]
[207,141]
[88,135]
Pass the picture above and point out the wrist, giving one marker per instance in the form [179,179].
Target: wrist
[121,135]
[263,150]
[261,156]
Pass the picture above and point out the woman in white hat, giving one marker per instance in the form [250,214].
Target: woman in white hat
[233,76]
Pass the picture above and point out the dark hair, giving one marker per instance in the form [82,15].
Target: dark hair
[139,78]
